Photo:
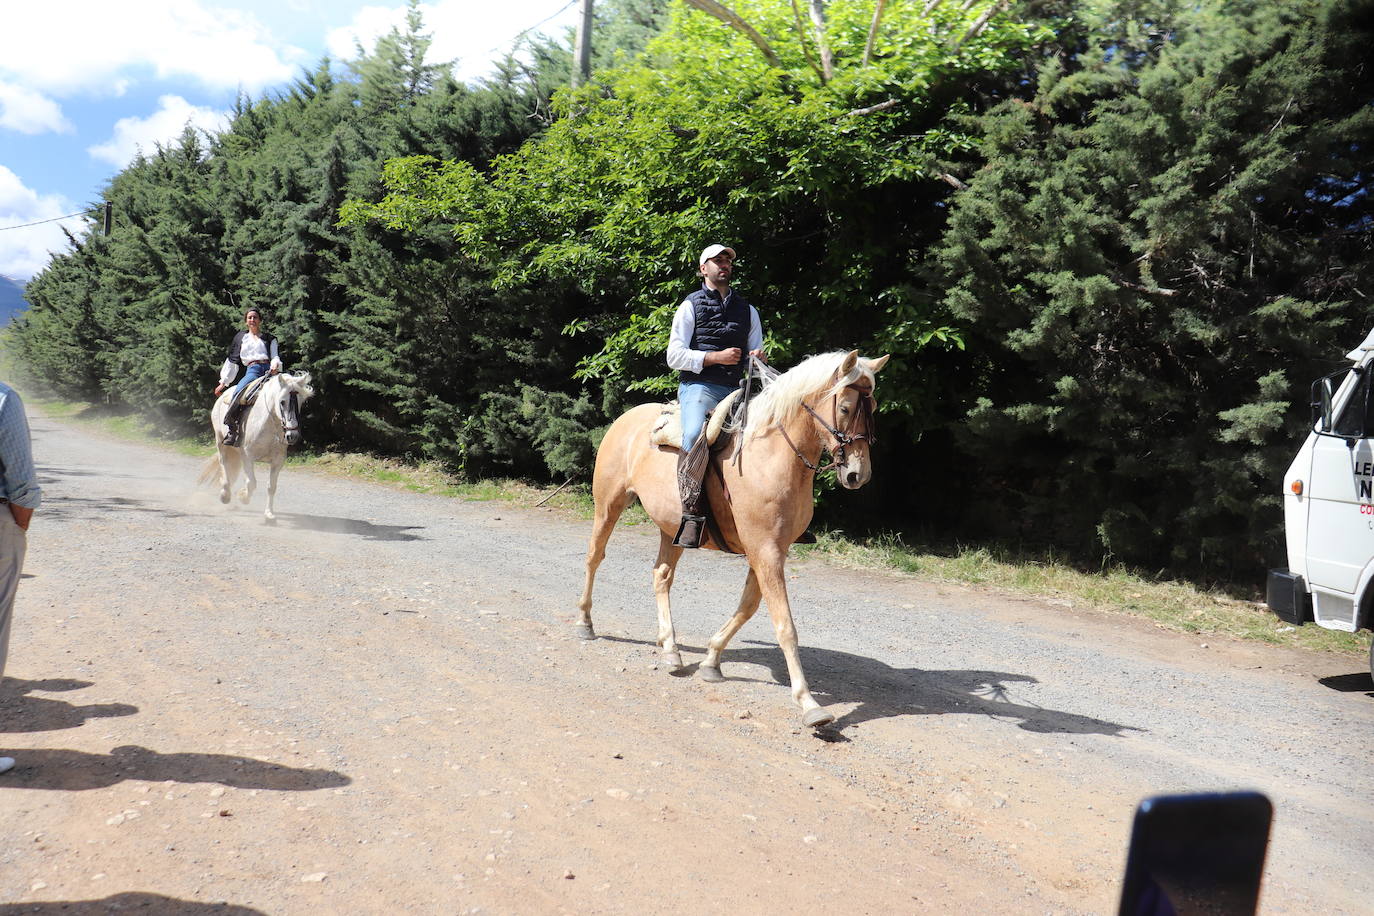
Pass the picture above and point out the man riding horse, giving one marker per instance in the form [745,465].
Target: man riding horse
[714,331]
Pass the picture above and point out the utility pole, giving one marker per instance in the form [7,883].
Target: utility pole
[109,216]
[582,50]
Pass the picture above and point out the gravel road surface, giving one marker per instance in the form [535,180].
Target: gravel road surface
[377,706]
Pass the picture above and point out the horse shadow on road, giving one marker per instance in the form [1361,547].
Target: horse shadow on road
[48,473]
[133,900]
[20,712]
[83,507]
[330,524]
[882,691]
[74,771]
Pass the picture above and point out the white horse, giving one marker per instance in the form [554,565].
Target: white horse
[270,425]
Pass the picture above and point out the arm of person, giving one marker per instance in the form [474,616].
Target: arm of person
[22,515]
[16,457]
[756,335]
[679,356]
[227,373]
[275,365]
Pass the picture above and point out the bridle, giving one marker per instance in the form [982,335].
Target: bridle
[294,410]
[863,411]
[291,421]
[291,416]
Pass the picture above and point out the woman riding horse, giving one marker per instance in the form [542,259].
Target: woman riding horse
[254,351]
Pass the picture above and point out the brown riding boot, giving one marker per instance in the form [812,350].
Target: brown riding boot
[691,472]
[231,424]
[691,531]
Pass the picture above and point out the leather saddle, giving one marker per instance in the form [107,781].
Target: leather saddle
[667,430]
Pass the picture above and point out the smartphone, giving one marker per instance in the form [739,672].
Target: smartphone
[1197,854]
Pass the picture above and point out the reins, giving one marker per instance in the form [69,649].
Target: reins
[764,375]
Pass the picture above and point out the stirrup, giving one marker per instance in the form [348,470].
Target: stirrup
[231,437]
[689,533]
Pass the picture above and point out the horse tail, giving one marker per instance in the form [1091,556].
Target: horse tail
[208,471]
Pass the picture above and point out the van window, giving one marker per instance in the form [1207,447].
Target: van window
[1356,419]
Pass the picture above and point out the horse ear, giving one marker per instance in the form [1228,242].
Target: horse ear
[850,360]
[875,364]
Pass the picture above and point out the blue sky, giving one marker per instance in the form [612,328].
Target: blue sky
[85,84]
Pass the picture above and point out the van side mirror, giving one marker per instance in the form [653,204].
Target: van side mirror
[1356,420]
[1324,403]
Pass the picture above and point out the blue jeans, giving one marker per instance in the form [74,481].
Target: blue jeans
[252,372]
[694,399]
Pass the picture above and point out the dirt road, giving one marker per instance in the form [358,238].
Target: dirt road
[377,706]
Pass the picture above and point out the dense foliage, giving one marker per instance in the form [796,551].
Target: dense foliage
[1167,239]
[1107,243]
[399,331]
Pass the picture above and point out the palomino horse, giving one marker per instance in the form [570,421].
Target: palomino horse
[269,426]
[760,502]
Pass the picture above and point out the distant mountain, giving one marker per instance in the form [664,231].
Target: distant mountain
[11,299]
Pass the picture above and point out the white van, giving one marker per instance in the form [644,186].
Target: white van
[1328,503]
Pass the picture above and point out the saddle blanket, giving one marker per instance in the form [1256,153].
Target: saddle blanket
[667,430]
[250,391]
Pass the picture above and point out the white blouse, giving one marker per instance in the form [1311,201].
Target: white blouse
[251,350]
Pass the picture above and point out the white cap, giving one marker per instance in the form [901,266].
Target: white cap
[712,250]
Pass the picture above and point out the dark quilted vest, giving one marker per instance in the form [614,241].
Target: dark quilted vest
[237,342]
[719,326]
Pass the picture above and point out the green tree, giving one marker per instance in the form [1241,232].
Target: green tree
[823,184]
[1162,244]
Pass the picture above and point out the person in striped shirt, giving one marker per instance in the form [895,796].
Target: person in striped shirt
[20,494]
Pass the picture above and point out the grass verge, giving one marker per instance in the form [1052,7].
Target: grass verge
[1173,605]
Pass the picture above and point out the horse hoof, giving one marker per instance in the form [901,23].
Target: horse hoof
[672,660]
[710,673]
[584,631]
[270,519]
[224,498]
[815,718]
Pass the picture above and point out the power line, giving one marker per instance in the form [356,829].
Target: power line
[522,34]
[42,221]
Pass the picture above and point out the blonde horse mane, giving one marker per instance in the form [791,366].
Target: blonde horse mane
[782,398]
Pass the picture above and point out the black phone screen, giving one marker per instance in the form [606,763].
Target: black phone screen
[1197,854]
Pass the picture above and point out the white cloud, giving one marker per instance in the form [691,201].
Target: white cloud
[472,38]
[99,42]
[162,127]
[29,111]
[369,24]
[25,251]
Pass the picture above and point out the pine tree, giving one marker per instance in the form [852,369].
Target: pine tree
[1163,244]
